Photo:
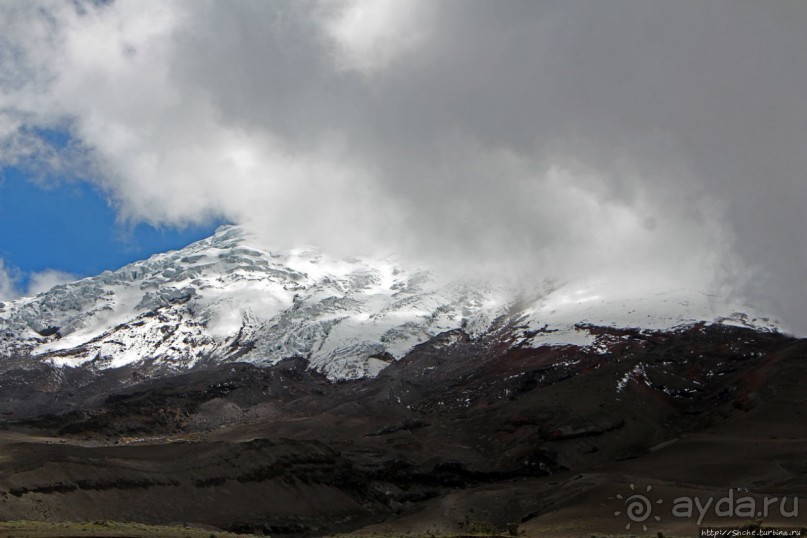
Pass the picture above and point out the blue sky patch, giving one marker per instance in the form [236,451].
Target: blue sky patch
[70,226]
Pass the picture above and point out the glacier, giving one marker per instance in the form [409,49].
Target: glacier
[225,298]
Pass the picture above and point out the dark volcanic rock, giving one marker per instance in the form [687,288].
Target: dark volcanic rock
[280,450]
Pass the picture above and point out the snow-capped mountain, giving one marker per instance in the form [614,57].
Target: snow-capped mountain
[223,298]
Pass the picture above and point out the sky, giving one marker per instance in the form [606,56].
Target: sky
[72,227]
[56,229]
[661,144]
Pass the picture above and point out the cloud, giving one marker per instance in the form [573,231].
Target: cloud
[42,281]
[659,142]
[372,34]
[7,283]
[12,287]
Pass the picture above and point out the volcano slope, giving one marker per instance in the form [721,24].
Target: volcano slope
[461,436]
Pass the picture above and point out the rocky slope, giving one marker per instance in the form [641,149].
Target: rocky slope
[292,393]
[462,436]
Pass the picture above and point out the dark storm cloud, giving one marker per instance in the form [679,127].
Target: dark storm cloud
[658,140]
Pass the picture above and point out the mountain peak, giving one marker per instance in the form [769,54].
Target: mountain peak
[226,298]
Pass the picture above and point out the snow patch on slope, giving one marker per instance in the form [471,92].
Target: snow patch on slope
[225,298]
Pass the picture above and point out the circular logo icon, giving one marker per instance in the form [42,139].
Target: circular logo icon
[638,507]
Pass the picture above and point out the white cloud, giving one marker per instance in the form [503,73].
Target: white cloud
[44,280]
[536,136]
[370,35]
[38,282]
[7,283]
